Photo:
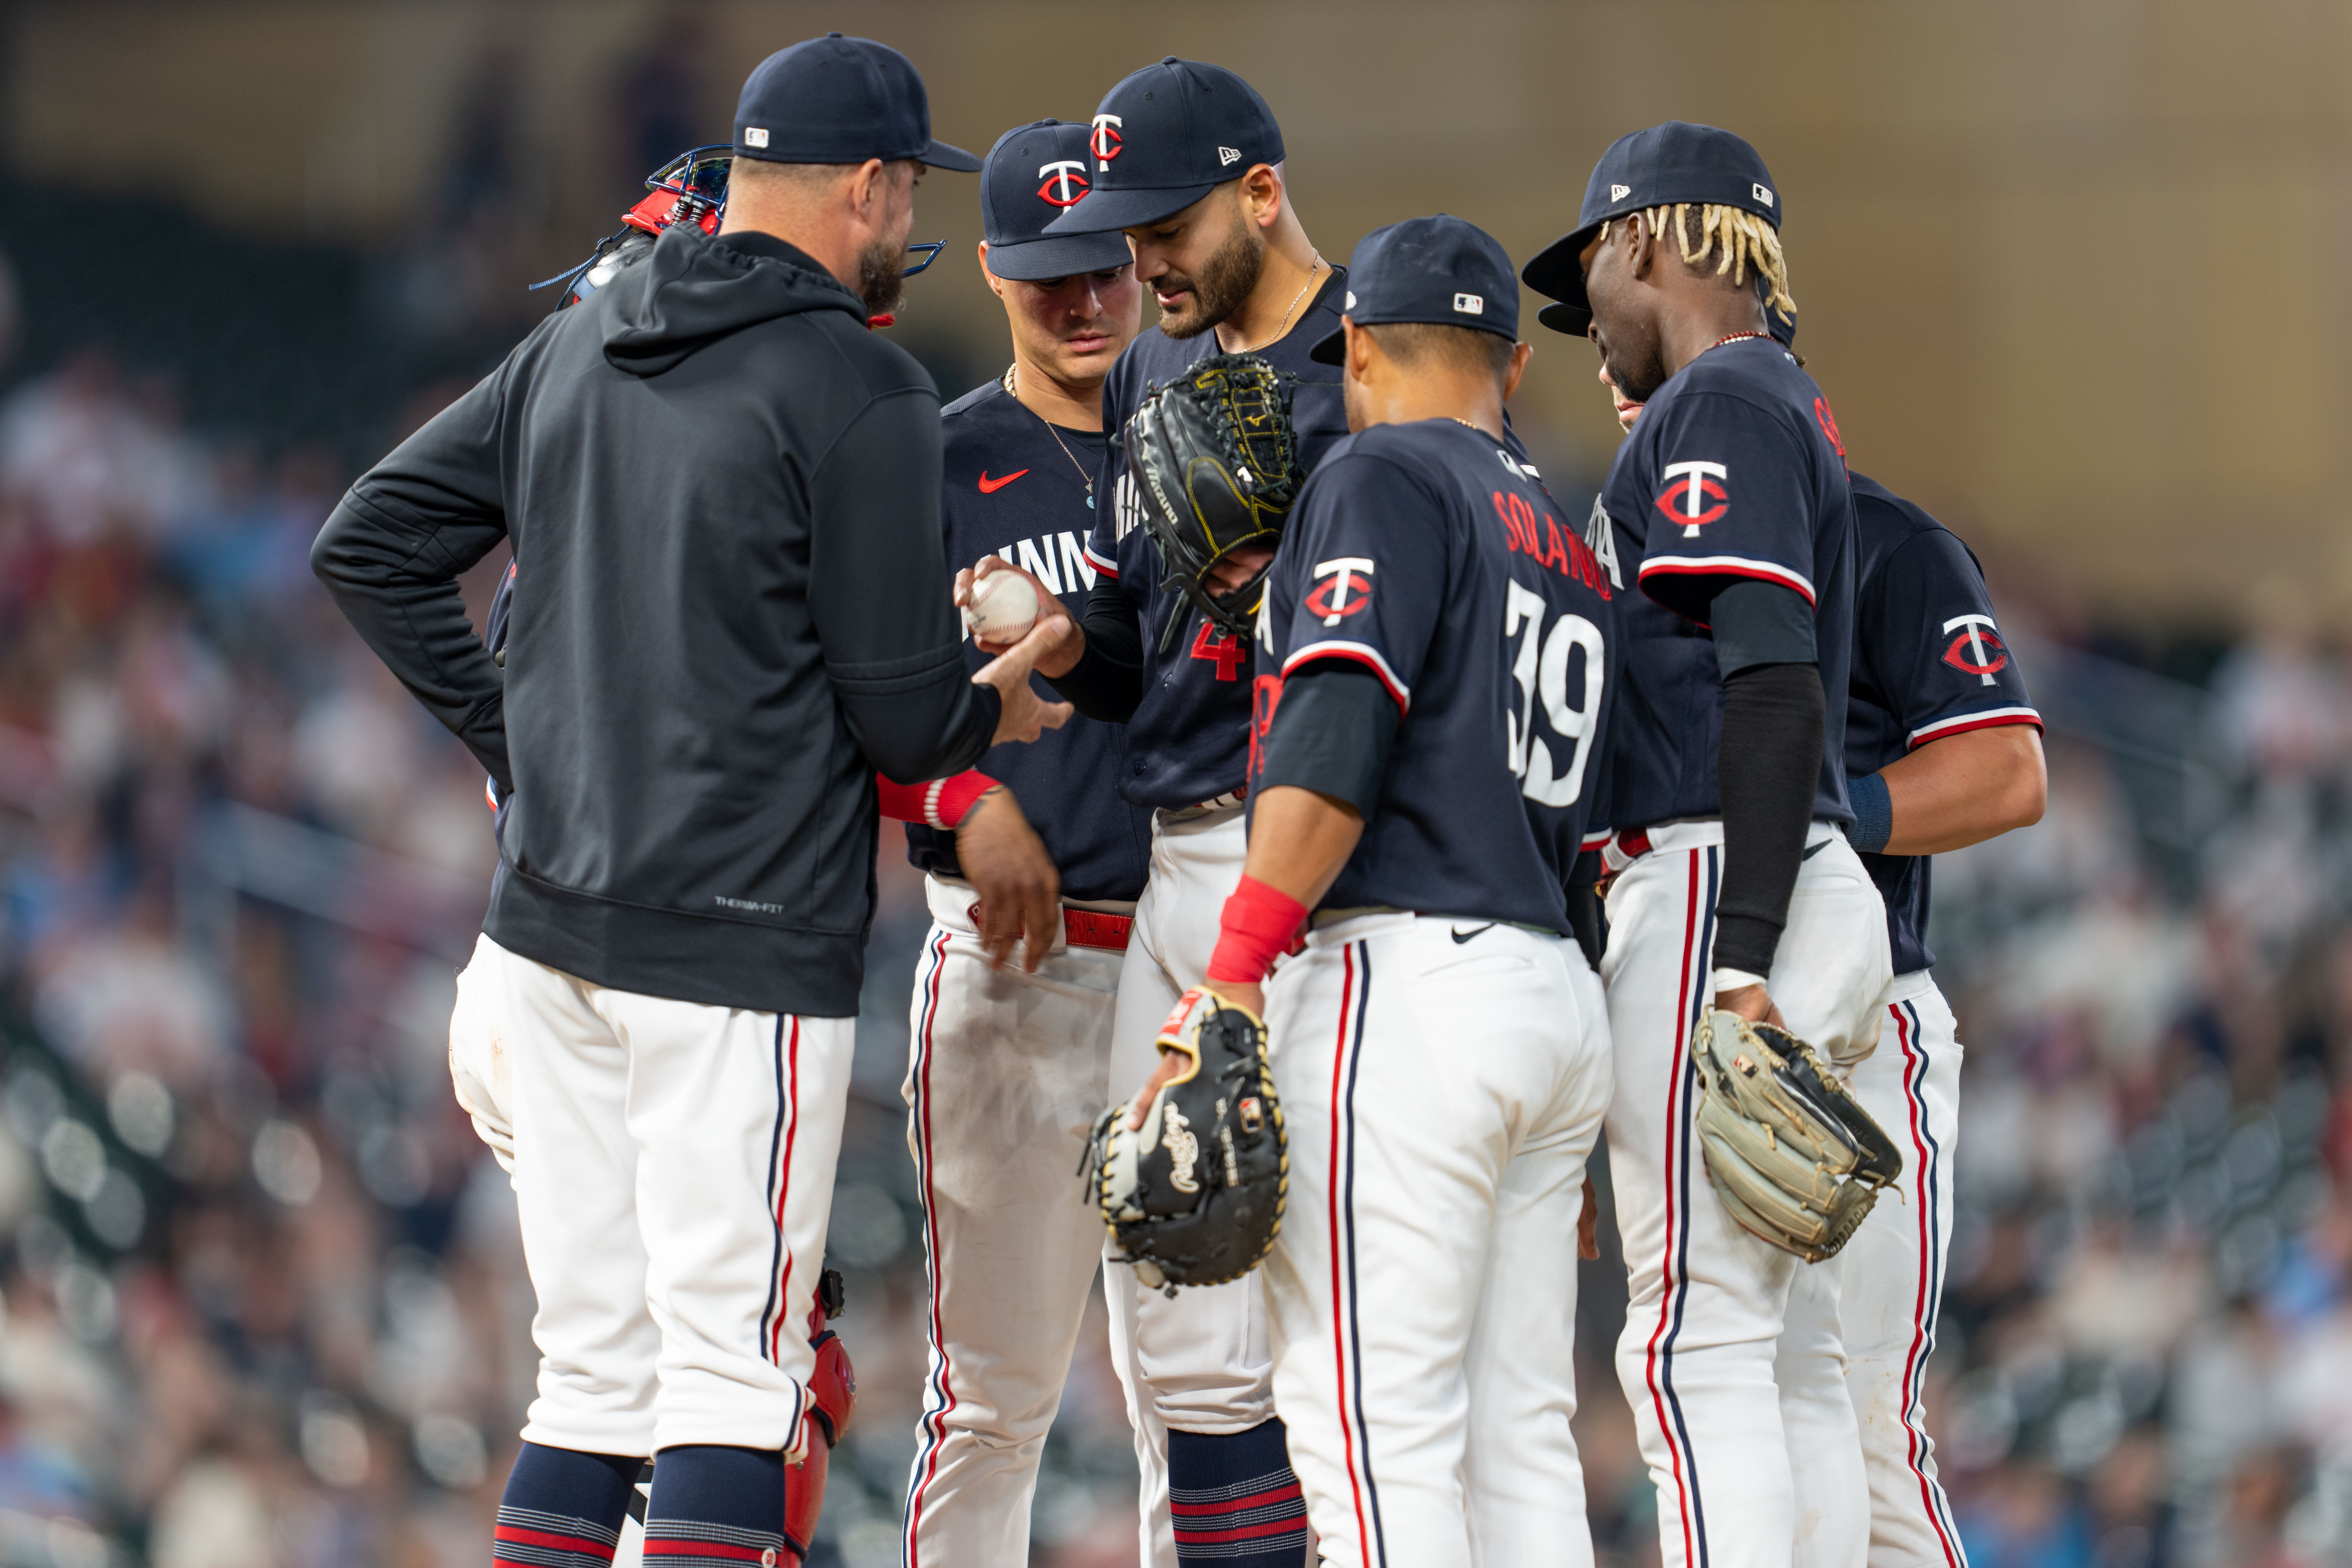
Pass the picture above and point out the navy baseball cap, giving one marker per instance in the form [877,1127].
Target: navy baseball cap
[839,101]
[1676,161]
[1033,175]
[1166,137]
[1439,270]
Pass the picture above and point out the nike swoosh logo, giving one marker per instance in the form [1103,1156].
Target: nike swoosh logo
[989,487]
[1462,936]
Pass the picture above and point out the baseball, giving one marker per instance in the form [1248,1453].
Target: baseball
[1004,607]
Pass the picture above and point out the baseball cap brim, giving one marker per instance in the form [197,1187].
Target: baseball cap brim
[1571,318]
[1332,349]
[940,155]
[1100,211]
[1059,256]
[1557,270]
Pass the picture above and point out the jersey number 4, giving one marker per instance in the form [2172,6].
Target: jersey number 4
[1540,669]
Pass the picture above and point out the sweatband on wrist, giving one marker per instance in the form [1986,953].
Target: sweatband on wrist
[1874,813]
[1258,924]
[1723,980]
[937,803]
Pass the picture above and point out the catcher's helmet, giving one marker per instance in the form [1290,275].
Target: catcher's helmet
[690,188]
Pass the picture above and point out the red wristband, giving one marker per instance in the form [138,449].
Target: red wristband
[1258,924]
[940,803]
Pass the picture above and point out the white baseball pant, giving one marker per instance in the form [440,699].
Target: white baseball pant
[1440,1094]
[1006,1073]
[1894,1275]
[1197,1361]
[673,1163]
[1747,1430]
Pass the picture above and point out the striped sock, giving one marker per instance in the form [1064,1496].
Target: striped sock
[1235,1501]
[563,1509]
[717,1507]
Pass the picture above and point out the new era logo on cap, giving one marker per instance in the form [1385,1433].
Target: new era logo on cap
[1228,155]
[1618,192]
[755,136]
[1470,304]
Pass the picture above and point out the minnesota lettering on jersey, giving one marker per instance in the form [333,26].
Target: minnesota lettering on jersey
[1058,560]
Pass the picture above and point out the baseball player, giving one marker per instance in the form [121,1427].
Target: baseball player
[1937,710]
[1436,668]
[1007,1065]
[1729,510]
[1186,158]
[722,488]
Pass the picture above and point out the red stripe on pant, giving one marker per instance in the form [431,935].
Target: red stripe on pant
[1923,1307]
[1339,1338]
[1667,1263]
[936,1437]
[783,1192]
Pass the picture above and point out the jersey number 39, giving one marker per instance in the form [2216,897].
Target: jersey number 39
[1540,669]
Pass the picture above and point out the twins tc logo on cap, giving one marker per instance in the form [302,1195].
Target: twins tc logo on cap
[1977,651]
[1691,486]
[1066,182]
[1103,142]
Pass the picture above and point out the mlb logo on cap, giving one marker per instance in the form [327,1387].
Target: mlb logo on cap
[1470,304]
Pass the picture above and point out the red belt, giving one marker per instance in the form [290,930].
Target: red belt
[1085,928]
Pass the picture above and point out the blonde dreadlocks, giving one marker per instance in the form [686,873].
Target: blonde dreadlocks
[1742,238]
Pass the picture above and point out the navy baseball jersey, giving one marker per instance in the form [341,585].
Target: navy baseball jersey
[1429,555]
[1188,740]
[1016,487]
[1734,471]
[1928,661]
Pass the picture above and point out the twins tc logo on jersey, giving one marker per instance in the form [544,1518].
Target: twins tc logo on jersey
[1103,141]
[1066,182]
[1345,586]
[1977,651]
[1692,496]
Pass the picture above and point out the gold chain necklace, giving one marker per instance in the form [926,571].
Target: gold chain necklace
[1012,390]
[1283,325]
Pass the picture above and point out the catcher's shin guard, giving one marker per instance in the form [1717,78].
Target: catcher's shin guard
[833,1397]
[1195,1196]
[1795,1159]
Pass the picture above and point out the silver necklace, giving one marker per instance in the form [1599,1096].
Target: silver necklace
[1283,325]
[1011,391]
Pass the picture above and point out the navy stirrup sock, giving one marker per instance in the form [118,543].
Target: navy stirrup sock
[716,1508]
[563,1509]
[1235,1501]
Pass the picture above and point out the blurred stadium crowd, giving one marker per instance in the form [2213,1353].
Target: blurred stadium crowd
[263,1303]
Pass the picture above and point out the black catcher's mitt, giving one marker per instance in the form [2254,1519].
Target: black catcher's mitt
[1794,1158]
[1195,1197]
[1217,466]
